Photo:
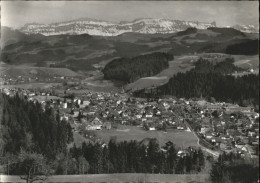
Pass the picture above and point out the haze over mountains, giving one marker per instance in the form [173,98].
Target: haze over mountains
[106,28]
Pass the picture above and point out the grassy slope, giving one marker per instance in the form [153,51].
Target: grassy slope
[247,62]
[177,65]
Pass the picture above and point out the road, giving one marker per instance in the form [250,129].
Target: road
[214,153]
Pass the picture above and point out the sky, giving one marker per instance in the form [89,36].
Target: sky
[226,13]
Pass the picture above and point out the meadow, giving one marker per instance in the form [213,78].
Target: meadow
[126,133]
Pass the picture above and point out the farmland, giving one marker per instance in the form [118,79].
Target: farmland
[127,133]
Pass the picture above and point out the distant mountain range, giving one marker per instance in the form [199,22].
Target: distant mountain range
[106,28]
[247,28]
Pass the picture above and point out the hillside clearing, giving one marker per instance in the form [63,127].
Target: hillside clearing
[177,65]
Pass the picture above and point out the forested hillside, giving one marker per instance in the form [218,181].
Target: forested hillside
[25,125]
[129,70]
[222,87]
[188,31]
[250,47]
[233,168]
[208,80]
[224,67]
[226,31]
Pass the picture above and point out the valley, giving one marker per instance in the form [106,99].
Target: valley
[132,100]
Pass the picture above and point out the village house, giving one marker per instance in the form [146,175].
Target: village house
[84,103]
[208,135]
[151,128]
[204,130]
[158,112]
[240,145]
[182,153]
[138,116]
[95,124]
[149,114]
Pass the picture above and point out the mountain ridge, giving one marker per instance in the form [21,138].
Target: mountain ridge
[109,28]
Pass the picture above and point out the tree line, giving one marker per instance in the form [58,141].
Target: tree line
[223,67]
[135,157]
[130,69]
[233,168]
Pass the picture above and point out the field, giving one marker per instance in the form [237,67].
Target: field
[180,138]
[179,64]
[124,177]
[247,62]
[147,82]
[28,71]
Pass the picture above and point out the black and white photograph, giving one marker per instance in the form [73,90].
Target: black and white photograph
[129,91]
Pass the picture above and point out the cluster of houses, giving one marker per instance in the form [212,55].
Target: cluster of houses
[8,80]
[124,110]
[32,78]
[96,110]
[229,127]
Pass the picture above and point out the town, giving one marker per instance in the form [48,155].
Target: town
[125,91]
[219,127]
